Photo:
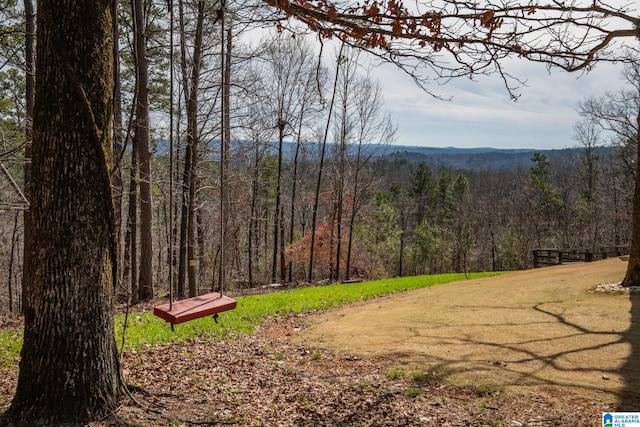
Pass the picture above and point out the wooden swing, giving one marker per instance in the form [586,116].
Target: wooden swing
[203,305]
[194,308]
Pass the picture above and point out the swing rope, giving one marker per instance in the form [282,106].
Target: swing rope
[171,165]
[215,302]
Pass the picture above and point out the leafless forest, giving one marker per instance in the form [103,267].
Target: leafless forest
[252,160]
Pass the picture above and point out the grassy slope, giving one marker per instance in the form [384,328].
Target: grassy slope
[144,329]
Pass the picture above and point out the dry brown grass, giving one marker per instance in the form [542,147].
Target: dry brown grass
[523,331]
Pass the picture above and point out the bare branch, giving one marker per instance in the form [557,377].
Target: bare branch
[461,38]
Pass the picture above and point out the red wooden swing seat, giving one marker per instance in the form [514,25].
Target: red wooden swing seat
[194,308]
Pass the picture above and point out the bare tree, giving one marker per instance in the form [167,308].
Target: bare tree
[619,114]
[191,84]
[454,38]
[289,69]
[343,134]
[316,202]
[373,129]
[588,136]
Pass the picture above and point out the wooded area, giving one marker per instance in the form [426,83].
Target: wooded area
[206,191]
[301,164]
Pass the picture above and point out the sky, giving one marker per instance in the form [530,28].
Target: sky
[481,114]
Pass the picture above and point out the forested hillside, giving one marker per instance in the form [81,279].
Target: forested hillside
[261,162]
[396,216]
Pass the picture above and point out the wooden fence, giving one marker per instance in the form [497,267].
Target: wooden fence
[546,257]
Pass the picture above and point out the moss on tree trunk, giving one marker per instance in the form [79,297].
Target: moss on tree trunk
[69,370]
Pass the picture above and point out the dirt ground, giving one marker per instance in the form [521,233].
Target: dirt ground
[531,348]
[534,327]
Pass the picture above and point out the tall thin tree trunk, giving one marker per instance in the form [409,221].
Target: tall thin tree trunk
[69,368]
[314,217]
[144,156]
[30,29]
[192,264]
[225,143]
[354,209]
[294,179]
[293,195]
[341,172]
[253,220]
[188,165]
[339,209]
[200,239]
[12,256]
[187,269]
[277,225]
[283,269]
[118,138]
[401,255]
[192,130]
[130,268]
[171,229]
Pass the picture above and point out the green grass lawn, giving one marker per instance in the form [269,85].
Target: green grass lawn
[144,329]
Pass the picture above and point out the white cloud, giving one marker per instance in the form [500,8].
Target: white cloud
[481,113]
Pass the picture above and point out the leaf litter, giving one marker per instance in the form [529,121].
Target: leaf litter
[264,379]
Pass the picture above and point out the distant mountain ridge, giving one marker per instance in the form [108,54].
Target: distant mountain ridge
[480,158]
[483,158]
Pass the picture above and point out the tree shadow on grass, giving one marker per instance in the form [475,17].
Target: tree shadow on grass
[630,371]
[574,356]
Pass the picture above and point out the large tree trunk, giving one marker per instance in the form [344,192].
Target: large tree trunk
[69,369]
[632,278]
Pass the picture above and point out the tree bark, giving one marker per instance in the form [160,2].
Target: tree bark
[144,156]
[632,277]
[131,236]
[15,242]
[225,142]
[354,210]
[294,183]
[341,168]
[30,29]
[69,368]
[314,218]
[118,139]
[187,268]
[192,132]
[253,212]
[277,217]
